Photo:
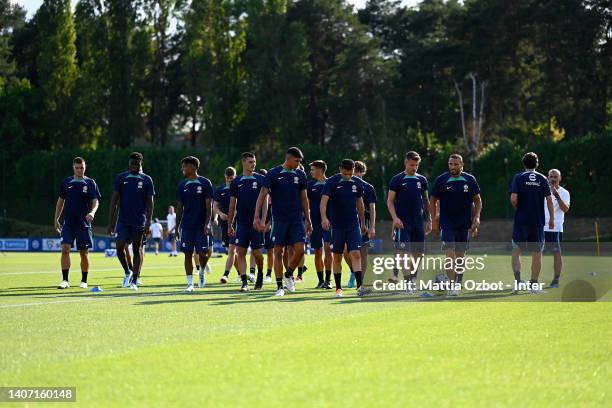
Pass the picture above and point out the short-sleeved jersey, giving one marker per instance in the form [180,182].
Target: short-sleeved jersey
[531,188]
[77,195]
[285,188]
[369,197]
[342,204]
[456,195]
[409,197]
[245,189]
[193,194]
[133,191]
[222,196]
[315,192]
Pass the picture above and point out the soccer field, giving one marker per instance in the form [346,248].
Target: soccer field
[218,347]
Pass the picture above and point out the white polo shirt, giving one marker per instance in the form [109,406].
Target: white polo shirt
[156,230]
[559,214]
[171,219]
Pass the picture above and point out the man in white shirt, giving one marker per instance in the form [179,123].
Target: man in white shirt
[553,237]
[171,225]
[156,233]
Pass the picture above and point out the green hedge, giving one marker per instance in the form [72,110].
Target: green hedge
[30,186]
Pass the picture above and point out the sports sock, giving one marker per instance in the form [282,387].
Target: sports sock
[269,272]
[459,277]
[83,276]
[252,271]
[244,279]
[517,276]
[320,276]
[65,274]
[328,276]
[279,283]
[300,271]
[358,278]
[226,273]
[289,273]
[189,279]
[338,280]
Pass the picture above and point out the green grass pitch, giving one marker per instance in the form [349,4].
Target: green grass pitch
[219,347]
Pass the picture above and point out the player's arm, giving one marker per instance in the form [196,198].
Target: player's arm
[231,214]
[268,225]
[397,223]
[218,211]
[93,209]
[476,209]
[179,218]
[208,216]
[426,213]
[435,214]
[372,230]
[149,205]
[264,212]
[514,199]
[306,211]
[562,204]
[323,208]
[59,207]
[257,221]
[361,214]
[112,211]
[551,212]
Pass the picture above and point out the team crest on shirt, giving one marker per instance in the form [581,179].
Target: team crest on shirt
[532,177]
[465,188]
[354,189]
[84,189]
[254,184]
[402,245]
[140,184]
[419,185]
[199,189]
[296,180]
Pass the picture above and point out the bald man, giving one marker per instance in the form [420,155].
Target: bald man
[553,236]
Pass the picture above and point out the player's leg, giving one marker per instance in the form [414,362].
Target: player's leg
[188,267]
[278,269]
[229,262]
[138,256]
[337,257]
[202,255]
[252,266]
[65,265]
[301,268]
[269,264]
[536,243]
[241,253]
[257,242]
[327,262]
[84,253]
[349,263]
[519,239]
[319,266]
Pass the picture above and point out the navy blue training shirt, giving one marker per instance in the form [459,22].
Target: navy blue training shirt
[456,195]
[245,189]
[193,194]
[77,195]
[342,204]
[285,189]
[133,191]
[531,188]
[409,198]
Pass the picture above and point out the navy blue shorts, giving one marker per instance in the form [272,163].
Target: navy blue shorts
[319,237]
[129,232]
[224,237]
[193,240]
[349,237]
[410,239]
[246,236]
[268,244]
[82,236]
[552,241]
[288,233]
[456,238]
[528,238]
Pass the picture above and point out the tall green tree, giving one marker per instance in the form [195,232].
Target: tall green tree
[57,71]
